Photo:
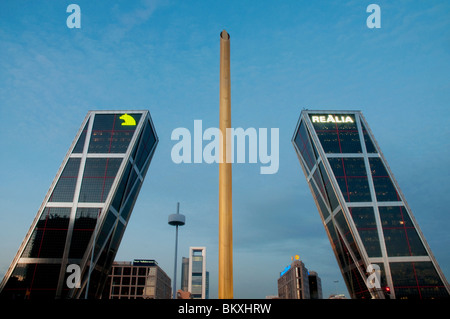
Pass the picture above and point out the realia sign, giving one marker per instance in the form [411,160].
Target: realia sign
[331,118]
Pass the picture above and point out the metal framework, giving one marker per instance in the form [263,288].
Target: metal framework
[365,214]
[86,209]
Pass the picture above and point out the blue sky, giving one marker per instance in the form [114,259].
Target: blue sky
[285,55]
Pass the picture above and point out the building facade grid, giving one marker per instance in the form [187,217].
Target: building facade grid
[365,214]
[86,209]
[138,280]
[197,281]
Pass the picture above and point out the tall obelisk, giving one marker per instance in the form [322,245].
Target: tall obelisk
[225,187]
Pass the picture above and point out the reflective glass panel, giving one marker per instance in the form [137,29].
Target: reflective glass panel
[400,236]
[341,221]
[331,195]
[49,236]
[32,281]
[384,188]
[323,209]
[84,225]
[65,187]
[81,140]
[99,174]
[303,142]
[145,145]
[370,147]
[351,176]
[417,280]
[110,134]
[119,196]
[364,220]
[337,133]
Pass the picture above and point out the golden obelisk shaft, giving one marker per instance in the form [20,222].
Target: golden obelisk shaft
[225,192]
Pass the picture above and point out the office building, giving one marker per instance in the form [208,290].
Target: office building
[184,273]
[140,279]
[72,242]
[315,286]
[367,219]
[198,280]
[296,282]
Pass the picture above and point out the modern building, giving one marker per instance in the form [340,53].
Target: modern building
[140,279]
[184,274]
[315,285]
[185,277]
[71,244]
[296,282]
[365,214]
[198,281]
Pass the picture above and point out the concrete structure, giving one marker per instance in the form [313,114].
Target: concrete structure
[140,279]
[295,282]
[315,285]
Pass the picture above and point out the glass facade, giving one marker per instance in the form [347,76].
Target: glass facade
[84,214]
[197,282]
[367,219]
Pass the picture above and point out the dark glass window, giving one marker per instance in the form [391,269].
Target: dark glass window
[417,280]
[125,280]
[322,207]
[84,225]
[99,174]
[81,140]
[145,145]
[400,235]
[129,204]
[117,236]
[370,147]
[65,187]
[126,271]
[104,232]
[125,290]
[142,271]
[384,188]
[346,233]
[331,195]
[364,220]
[35,281]
[119,196]
[197,264]
[109,135]
[303,142]
[338,137]
[317,176]
[49,236]
[351,176]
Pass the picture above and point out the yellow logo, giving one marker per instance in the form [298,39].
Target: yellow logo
[128,120]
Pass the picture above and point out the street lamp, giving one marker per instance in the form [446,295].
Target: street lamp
[176,220]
